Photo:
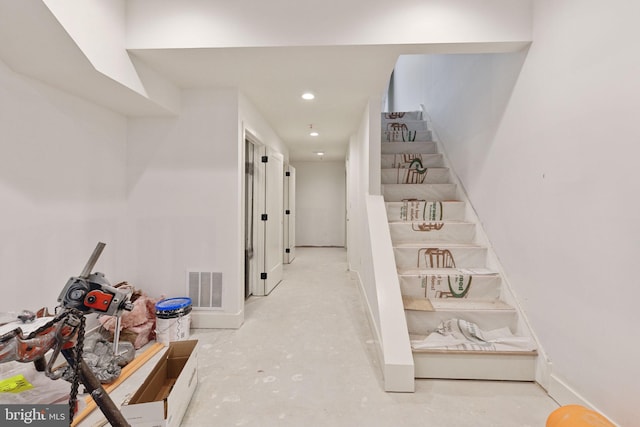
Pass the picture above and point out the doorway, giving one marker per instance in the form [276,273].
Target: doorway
[250,259]
[263,218]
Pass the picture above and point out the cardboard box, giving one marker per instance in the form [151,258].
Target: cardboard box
[162,400]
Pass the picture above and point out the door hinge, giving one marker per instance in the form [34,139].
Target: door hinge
[287,212]
[287,173]
[264,217]
[287,250]
[263,276]
[264,159]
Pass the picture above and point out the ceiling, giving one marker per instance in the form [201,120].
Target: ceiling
[343,78]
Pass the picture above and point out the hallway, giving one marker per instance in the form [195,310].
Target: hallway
[305,356]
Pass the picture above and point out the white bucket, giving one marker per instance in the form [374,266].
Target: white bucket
[173,320]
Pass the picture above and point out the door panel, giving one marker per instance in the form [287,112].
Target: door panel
[290,219]
[250,258]
[274,202]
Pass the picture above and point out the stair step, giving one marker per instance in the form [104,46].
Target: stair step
[415,176]
[431,192]
[462,304]
[488,315]
[439,255]
[406,135]
[417,210]
[402,115]
[404,160]
[424,147]
[475,365]
[447,283]
[424,231]
[404,125]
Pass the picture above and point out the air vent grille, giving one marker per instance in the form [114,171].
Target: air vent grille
[205,289]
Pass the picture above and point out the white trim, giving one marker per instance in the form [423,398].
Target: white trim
[563,394]
[399,372]
[216,320]
[372,323]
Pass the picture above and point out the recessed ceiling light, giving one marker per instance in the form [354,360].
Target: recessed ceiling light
[319,153]
[314,133]
[308,96]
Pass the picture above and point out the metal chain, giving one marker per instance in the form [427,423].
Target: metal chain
[47,325]
[77,352]
[75,383]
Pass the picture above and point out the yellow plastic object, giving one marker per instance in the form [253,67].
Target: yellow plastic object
[15,384]
[576,416]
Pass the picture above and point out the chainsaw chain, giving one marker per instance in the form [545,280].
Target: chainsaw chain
[76,351]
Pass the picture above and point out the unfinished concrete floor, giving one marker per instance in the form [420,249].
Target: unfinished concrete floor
[305,356]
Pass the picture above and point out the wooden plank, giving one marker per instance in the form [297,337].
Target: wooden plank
[417,304]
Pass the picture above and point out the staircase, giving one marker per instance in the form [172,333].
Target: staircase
[448,290]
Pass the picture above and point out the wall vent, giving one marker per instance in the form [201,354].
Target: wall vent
[205,289]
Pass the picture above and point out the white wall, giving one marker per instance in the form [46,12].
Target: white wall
[164,194]
[62,189]
[320,203]
[358,253]
[184,196]
[184,179]
[549,160]
[196,23]
[98,28]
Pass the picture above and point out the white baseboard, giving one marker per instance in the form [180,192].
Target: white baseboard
[543,371]
[563,394]
[216,320]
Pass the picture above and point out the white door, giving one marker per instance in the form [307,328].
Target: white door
[251,202]
[272,219]
[290,214]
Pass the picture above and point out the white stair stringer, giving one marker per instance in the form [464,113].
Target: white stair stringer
[446,269]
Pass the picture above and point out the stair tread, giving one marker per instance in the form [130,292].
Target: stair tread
[425,147]
[454,304]
[399,203]
[417,153]
[416,141]
[438,168]
[445,184]
[446,271]
[428,221]
[514,352]
[433,244]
